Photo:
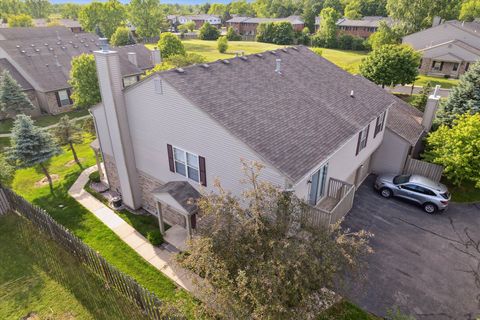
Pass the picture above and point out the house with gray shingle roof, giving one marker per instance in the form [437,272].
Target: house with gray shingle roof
[313,126]
[40,59]
[248,25]
[362,27]
[448,49]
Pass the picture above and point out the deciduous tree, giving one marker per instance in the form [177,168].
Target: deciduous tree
[259,258]
[463,98]
[122,37]
[208,32]
[232,35]
[31,146]
[7,171]
[391,65]
[328,26]
[457,149]
[385,34]
[148,17]
[68,133]
[169,45]
[107,16]
[38,8]
[353,10]
[12,99]
[470,10]
[84,80]
[11,7]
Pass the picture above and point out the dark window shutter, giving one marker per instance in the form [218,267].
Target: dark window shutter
[69,92]
[170,157]
[358,142]
[203,173]
[58,99]
[376,128]
[441,66]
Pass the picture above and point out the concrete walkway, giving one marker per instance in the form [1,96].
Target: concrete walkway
[159,258]
[7,135]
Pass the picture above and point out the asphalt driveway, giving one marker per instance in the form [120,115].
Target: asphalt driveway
[415,265]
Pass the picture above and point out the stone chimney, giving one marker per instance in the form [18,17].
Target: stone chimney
[431,109]
[111,90]
[132,57]
[156,56]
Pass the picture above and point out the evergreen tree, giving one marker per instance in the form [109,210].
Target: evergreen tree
[67,133]
[12,98]
[31,146]
[464,98]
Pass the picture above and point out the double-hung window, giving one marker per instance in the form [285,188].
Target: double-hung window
[379,124]
[362,139]
[63,98]
[186,164]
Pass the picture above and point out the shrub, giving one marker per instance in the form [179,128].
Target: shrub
[155,237]
[275,32]
[208,32]
[122,37]
[232,35]
[303,37]
[94,177]
[222,44]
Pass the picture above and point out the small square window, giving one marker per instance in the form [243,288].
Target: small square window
[63,98]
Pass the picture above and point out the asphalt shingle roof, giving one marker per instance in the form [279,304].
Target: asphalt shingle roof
[45,54]
[293,120]
[183,193]
[405,120]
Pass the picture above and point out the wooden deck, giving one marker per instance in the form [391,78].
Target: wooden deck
[327,203]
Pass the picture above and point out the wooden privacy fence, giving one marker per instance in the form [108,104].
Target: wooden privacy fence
[423,168]
[145,300]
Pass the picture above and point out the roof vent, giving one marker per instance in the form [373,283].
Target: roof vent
[45,44]
[64,48]
[278,66]
[59,42]
[70,42]
[82,41]
[51,49]
[352,94]
[32,45]
[226,61]
[244,58]
[180,70]
[294,48]
[37,50]
[284,49]
[92,40]
[259,55]
[86,44]
[273,52]
[17,46]
[23,51]
[206,66]
[57,63]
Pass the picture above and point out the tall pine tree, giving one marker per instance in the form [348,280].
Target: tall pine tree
[68,133]
[464,98]
[31,146]
[12,98]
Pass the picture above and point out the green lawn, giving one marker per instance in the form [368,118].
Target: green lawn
[86,226]
[347,60]
[43,121]
[444,83]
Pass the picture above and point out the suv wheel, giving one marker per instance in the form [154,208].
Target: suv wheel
[386,193]
[430,208]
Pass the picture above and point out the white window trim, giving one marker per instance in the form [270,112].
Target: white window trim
[381,122]
[60,99]
[363,138]
[186,164]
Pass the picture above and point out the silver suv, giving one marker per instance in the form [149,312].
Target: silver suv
[432,196]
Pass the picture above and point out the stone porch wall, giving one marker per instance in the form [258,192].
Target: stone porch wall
[111,171]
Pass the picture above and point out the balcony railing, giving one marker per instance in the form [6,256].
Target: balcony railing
[334,206]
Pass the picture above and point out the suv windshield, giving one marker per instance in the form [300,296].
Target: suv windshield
[401,179]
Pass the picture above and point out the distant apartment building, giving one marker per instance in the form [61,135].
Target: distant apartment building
[363,27]
[199,20]
[448,49]
[248,25]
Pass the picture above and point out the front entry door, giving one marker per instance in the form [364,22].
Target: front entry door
[317,185]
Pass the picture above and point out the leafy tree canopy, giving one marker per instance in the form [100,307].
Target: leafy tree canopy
[470,10]
[275,32]
[353,10]
[457,149]
[84,80]
[261,260]
[463,98]
[208,32]
[232,35]
[7,171]
[384,35]
[67,133]
[148,17]
[11,7]
[107,16]
[20,20]
[38,8]
[122,37]
[391,65]
[169,45]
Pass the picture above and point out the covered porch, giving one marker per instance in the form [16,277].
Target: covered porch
[336,203]
[176,204]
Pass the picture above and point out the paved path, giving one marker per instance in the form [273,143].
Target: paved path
[159,258]
[415,265]
[7,135]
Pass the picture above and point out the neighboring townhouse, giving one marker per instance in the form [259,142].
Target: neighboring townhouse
[42,56]
[248,25]
[363,27]
[73,25]
[199,20]
[314,126]
[448,49]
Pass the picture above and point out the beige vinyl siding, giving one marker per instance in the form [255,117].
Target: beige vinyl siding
[102,129]
[168,118]
[343,164]
[390,157]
